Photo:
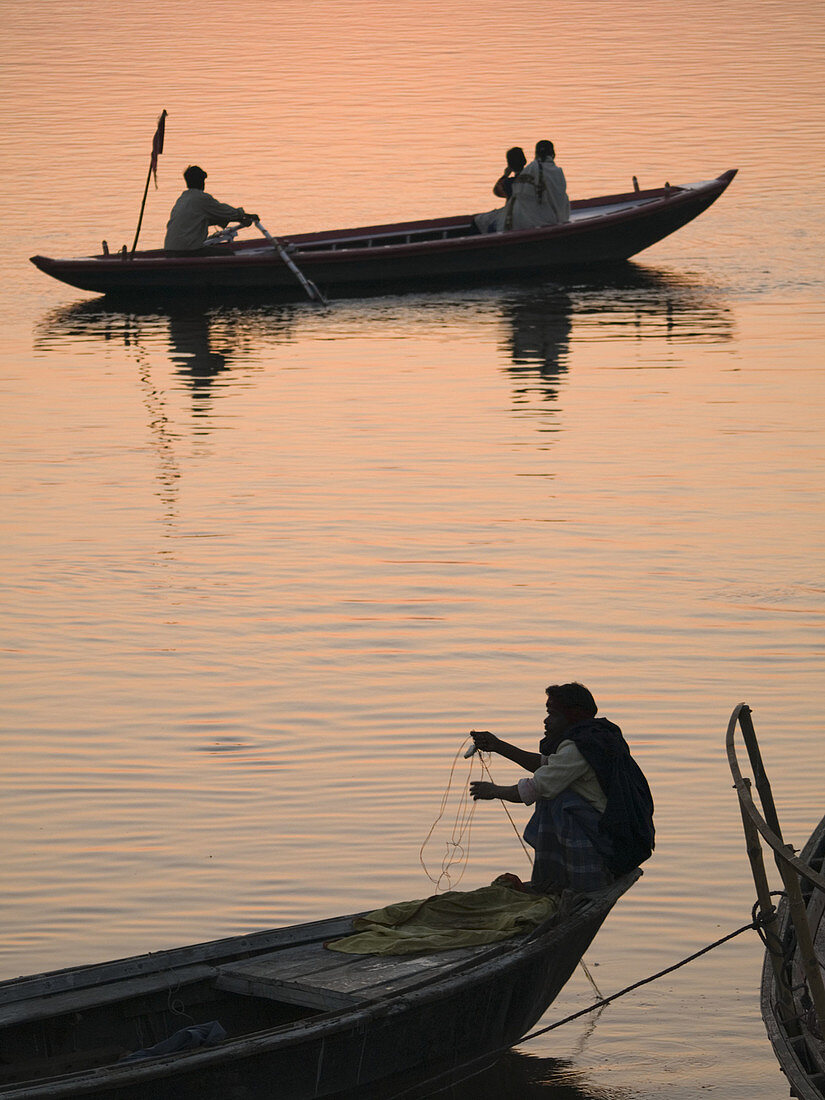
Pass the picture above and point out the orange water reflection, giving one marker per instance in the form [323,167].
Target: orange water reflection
[264,567]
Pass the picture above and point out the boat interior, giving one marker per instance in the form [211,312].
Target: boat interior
[403,233]
[452,228]
[101,1032]
[79,1029]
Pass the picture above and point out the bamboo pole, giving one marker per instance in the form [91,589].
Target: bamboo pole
[142,208]
[770,918]
[791,869]
[157,149]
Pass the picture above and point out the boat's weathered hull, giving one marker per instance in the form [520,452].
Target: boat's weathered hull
[799,1050]
[609,237]
[469,1011]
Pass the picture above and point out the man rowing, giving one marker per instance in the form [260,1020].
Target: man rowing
[195,211]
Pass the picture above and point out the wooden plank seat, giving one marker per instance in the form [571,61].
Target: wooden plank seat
[315,977]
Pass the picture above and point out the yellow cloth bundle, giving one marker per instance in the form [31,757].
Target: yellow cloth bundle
[445,921]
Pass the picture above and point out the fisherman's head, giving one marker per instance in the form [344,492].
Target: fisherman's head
[516,159]
[194,177]
[545,150]
[567,704]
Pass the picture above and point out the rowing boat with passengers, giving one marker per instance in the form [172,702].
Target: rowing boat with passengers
[399,256]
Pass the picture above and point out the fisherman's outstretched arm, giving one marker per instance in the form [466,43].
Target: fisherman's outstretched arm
[488,742]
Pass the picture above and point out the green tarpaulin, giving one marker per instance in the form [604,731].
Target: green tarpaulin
[445,921]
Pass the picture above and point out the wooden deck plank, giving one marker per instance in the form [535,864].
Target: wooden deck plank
[13,990]
[317,977]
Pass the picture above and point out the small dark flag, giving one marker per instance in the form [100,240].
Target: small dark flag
[157,146]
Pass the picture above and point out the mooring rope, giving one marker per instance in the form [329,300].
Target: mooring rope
[483,1061]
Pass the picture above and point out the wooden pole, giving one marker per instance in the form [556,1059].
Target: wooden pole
[157,149]
[770,922]
[789,868]
[142,208]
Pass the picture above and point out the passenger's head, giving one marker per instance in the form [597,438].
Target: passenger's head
[194,177]
[544,149]
[516,159]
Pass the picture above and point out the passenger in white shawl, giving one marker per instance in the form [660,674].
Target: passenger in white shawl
[539,193]
[493,220]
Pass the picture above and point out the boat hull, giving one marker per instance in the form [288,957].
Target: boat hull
[383,258]
[442,1019]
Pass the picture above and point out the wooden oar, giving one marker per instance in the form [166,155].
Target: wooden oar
[312,290]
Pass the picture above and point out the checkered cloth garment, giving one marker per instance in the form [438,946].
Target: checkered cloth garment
[570,852]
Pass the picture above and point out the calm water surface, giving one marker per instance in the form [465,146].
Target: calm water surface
[265,566]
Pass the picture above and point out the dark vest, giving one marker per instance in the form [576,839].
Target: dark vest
[627,821]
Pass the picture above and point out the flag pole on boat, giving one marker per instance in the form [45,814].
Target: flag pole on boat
[157,149]
[308,285]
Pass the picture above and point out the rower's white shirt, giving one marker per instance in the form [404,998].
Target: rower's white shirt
[191,217]
[564,768]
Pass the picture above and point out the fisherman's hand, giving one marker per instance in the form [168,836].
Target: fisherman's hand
[485,741]
[480,789]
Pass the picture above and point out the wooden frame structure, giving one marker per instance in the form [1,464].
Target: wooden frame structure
[795,872]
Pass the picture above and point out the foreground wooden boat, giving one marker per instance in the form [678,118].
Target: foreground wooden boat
[383,258]
[792,993]
[301,1021]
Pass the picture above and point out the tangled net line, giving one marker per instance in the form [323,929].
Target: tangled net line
[457,845]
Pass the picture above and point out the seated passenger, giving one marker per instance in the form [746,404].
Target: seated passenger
[194,212]
[539,193]
[493,220]
[516,160]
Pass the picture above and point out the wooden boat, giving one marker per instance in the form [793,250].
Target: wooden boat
[301,1021]
[793,991]
[385,258]
[795,1036]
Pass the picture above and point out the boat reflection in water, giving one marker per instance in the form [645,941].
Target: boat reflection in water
[539,323]
[191,350]
[525,1077]
[521,1076]
[214,351]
